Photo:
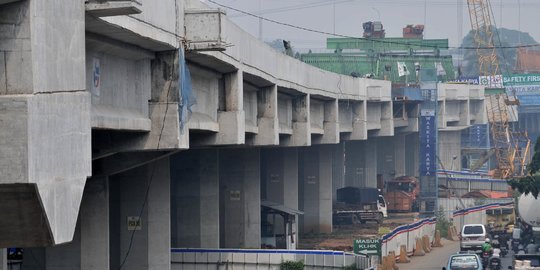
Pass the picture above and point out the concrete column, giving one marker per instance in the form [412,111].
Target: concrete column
[240,200]
[195,199]
[267,116]
[400,158]
[315,174]
[232,122]
[67,256]
[387,119]
[338,167]
[279,172]
[386,157]
[159,216]
[3,259]
[34,258]
[94,223]
[412,164]
[150,248]
[359,121]
[361,163]
[330,124]
[301,125]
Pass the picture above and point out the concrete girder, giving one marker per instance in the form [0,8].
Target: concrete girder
[126,161]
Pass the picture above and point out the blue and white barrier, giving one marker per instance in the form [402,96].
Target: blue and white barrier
[476,214]
[407,235]
[262,259]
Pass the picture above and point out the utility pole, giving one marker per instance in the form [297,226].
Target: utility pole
[260,22]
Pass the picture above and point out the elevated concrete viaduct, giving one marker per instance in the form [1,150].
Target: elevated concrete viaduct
[102,166]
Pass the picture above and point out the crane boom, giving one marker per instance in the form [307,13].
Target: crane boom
[510,154]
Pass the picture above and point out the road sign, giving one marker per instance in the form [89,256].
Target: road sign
[371,247]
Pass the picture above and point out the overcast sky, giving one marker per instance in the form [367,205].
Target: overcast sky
[441,17]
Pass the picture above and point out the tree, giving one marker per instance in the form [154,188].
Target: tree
[529,184]
[507,57]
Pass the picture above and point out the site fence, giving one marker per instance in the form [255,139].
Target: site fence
[476,214]
[450,205]
[262,259]
[407,235]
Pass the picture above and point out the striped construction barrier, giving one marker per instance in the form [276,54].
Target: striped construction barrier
[470,210]
[407,235]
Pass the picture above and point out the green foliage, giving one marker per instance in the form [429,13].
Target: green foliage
[442,222]
[480,201]
[350,267]
[291,265]
[507,57]
[529,184]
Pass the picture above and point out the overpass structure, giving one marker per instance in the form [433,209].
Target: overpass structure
[105,165]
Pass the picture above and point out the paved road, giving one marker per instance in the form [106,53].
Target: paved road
[438,258]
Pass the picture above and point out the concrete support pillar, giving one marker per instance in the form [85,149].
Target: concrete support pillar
[359,121]
[330,124]
[232,122]
[66,256]
[412,164]
[279,178]
[240,198]
[386,158]
[465,113]
[279,172]
[338,167]
[315,185]
[94,224]
[400,158]
[301,125]
[165,128]
[3,259]
[267,117]
[149,186]
[387,120]
[195,199]
[361,163]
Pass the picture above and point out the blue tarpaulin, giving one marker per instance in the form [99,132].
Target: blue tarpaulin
[185,91]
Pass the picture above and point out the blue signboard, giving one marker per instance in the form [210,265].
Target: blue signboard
[428,143]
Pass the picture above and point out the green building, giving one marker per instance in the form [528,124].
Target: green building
[381,58]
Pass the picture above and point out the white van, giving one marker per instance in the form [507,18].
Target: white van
[473,237]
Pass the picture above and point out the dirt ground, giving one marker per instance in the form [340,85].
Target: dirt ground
[342,236]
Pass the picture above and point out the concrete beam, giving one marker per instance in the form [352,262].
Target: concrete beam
[122,162]
[112,8]
[2,2]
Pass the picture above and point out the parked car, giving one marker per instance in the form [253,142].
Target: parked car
[472,237]
[464,261]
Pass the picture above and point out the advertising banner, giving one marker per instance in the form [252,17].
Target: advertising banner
[428,143]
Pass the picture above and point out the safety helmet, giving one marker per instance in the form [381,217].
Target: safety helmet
[487,240]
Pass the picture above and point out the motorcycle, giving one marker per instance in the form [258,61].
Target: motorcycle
[485,259]
[495,264]
[504,251]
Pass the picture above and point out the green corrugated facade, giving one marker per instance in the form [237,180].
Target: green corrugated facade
[367,56]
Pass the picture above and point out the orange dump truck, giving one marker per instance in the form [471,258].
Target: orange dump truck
[401,194]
